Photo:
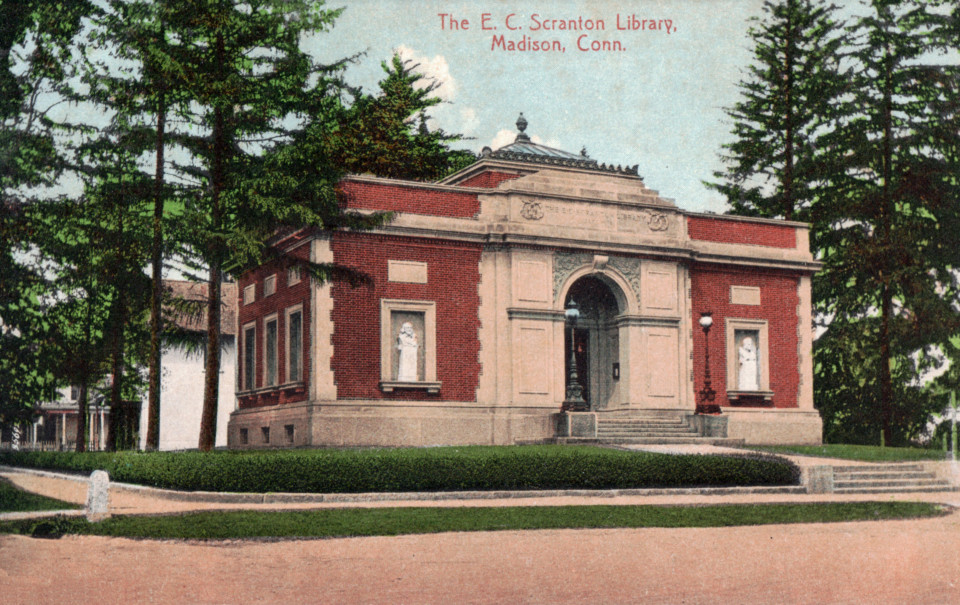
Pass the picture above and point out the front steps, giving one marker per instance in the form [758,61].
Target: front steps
[887,478]
[648,429]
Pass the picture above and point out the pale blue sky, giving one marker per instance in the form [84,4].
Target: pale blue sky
[657,103]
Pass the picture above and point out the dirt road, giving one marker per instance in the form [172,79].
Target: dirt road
[866,562]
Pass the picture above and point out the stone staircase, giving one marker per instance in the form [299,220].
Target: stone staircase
[644,429]
[887,478]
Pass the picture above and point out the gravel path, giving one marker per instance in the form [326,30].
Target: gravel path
[867,562]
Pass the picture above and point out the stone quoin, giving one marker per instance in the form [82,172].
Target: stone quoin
[461,335]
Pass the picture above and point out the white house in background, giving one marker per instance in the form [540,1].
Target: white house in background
[181,384]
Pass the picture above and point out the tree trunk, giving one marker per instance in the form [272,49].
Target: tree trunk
[211,389]
[788,202]
[885,230]
[156,291]
[82,407]
[116,389]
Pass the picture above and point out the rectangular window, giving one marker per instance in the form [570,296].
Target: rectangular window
[288,431]
[265,433]
[244,438]
[293,275]
[270,351]
[249,356]
[249,294]
[269,285]
[74,393]
[294,345]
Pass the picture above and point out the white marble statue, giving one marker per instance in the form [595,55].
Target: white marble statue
[747,378]
[407,345]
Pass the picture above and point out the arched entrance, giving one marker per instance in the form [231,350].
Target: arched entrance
[596,341]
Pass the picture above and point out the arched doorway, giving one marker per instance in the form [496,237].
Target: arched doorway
[596,341]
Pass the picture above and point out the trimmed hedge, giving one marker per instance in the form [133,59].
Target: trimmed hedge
[411,470]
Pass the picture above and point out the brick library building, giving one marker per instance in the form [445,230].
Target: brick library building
[534,296]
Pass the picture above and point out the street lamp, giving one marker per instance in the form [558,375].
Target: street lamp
[573,400]
[706,404]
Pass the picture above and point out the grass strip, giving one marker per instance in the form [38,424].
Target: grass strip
[866,453]
[352,522]
[14,500]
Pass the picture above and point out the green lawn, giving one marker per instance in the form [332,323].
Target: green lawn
[867,453]
[396,521]
[13,500]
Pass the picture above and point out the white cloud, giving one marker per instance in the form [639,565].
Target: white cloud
[504,137]
[435,70]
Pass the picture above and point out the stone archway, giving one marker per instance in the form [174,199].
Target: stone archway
[597,340]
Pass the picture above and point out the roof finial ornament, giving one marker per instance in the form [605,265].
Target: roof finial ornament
[521,126]
[583,152]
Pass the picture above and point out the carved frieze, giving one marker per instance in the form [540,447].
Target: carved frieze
[629,268]
[531,210]
[564,265]
[635,221]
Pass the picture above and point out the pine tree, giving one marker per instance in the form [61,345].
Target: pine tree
[785,111]
[141,99]
[387,135]
[35,38]
[256,99]
[888,287]
[865,152]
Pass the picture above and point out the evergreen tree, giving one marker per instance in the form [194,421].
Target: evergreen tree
[35,40]
[869,158]
[889,286]
[254,94]
[785,111]
[140,98]
[386,134]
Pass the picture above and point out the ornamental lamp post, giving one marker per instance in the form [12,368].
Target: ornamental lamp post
[705,404]
[573,400]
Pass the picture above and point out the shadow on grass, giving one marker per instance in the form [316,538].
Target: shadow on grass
[15,500]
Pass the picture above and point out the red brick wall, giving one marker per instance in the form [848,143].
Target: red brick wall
[452,280]
[735,232]
[710,291]
[361,195]
[284,298]
[488,180]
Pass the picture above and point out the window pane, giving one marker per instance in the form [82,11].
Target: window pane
[294,344]
[249,350]
[271,353]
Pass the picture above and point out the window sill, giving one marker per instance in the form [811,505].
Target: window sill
[388,386]
[750,398]
[288,386]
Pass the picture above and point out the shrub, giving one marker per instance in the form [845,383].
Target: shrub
[430,469]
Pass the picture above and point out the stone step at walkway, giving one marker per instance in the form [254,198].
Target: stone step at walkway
[646,429]
[884,478]
[720,441]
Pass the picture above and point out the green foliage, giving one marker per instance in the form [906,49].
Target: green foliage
[856,131]
[348,522]
[387,135]
[403,470]
[773,166]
